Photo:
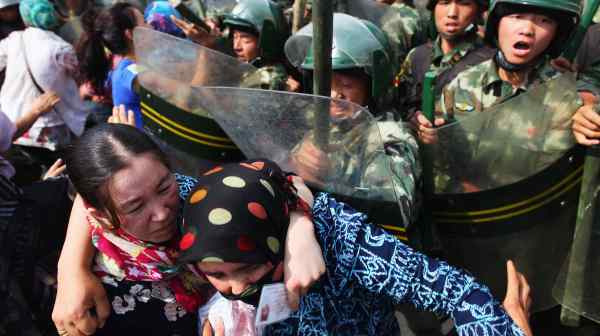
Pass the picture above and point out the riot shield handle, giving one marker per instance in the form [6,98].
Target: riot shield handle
[428,103]
[591,6]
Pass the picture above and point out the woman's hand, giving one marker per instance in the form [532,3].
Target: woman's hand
[57,168]
[77,293]
[425,131]
[303,262]
[586,126]
[45,102]
[517,302]
[119,116]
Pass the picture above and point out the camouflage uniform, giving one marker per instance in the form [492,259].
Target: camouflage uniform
[404,28]
[270,77]
[480,87]
[369,171]
[254,15]
[409,83]
[357,42]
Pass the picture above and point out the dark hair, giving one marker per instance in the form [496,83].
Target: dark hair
[103,30]
[100,153]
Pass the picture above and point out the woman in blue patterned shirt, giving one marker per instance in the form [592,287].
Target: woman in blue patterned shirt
[236,220]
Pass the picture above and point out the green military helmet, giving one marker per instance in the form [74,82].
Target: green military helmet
[483,4]
[262,17]
[565,12]
[356,44]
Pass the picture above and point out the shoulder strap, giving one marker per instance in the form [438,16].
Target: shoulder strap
[35,83]
[474,57]
[421,61]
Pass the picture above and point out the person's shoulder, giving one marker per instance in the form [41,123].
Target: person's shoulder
[276,69]
[392,130]
[269,77]
[407,12]
[331,216]
[471,79]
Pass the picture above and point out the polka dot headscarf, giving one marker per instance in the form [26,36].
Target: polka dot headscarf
[238,213]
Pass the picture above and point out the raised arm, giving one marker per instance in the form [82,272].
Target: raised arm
[404,275]
[79,290]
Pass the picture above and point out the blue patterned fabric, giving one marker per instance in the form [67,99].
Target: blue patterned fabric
[369,272]
[185,184]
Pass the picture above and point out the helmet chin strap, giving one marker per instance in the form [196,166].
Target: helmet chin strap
[503,63]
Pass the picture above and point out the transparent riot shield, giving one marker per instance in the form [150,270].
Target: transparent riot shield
[507,183]
[403,33]
[577,288]
[172,114]
[280,126]
[345,26]
[187,62]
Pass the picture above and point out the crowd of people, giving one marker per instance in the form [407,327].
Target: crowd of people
[452,203]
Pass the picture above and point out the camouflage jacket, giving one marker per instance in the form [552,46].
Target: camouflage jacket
[408,83]
[480,87]
[383,164]
[405,30]
[526,128]
[270,77]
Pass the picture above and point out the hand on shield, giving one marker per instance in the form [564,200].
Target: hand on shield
[119,116]
[517,302]
[196,34]
[586,125]
[311,163]
[425,130]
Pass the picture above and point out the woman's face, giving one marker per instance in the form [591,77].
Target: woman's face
[234,278]
[522,37]
[453,17]
[145,198]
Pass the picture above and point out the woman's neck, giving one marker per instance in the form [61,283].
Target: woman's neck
[515,78]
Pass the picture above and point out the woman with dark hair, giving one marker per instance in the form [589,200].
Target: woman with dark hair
[129,206]
[107,57]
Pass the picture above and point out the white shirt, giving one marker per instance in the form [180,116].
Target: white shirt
[52,60]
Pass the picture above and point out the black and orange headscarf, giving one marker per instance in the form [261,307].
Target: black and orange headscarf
[238,213]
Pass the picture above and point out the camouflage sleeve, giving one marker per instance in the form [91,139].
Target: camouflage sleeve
[402,151]
[589,79]
[267,78]
[406,88]
[399,38]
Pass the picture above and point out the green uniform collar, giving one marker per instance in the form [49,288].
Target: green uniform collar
[543,70]
[470,42]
